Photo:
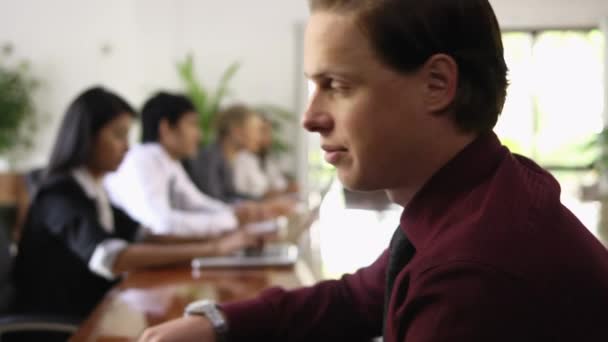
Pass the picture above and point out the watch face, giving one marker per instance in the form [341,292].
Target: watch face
[208,309]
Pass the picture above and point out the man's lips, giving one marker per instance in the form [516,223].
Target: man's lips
[333,153]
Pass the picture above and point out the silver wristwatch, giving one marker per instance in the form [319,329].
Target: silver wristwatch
[210,310]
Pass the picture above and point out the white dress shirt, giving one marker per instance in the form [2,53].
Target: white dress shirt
[155,190]
[253,180]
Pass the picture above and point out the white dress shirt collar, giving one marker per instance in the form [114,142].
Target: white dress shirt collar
[94,190]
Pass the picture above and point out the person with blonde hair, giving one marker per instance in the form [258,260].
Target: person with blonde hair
[75,244]
[406,96]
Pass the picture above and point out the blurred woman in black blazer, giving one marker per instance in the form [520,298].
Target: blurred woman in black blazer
[75,245]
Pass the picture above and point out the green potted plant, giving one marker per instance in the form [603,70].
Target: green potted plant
[597,145]
[206,101]
[598,190]
[17,111]
[17,123]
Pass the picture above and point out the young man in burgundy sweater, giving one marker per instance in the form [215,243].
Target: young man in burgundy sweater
[407,94]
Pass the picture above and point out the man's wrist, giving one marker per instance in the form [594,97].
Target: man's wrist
[214,315]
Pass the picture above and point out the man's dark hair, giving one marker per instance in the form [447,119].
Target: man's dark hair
[170,107]
[83,120]
[406,33]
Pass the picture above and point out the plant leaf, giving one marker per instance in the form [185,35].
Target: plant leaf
[222,89]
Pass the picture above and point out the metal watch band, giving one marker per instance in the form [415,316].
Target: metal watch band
[210,310]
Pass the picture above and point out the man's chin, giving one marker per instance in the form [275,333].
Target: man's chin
[355,183]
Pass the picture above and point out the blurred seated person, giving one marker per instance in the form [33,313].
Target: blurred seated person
[75,244]
[152,186]
[238,129]
[256,171]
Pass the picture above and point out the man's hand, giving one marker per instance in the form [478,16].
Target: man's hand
[236,241]
[248,212]
[279,206]
[187,329]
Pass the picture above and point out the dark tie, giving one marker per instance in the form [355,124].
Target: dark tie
[401,251]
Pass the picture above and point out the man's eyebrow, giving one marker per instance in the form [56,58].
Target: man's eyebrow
[317,75]
[329,74]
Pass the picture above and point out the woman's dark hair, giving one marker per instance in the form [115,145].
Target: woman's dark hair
[83,120]
[406,33]
[170,107]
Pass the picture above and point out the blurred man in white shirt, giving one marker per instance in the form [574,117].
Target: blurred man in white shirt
[152,186]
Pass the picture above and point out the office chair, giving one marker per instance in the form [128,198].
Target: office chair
[12,324]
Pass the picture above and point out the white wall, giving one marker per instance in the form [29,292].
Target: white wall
[549,13]
[64,40]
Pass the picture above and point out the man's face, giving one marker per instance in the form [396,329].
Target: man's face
[372,119]
[184,137]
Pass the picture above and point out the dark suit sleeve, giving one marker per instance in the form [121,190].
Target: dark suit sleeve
[126,228]
[349,309]
[72,223]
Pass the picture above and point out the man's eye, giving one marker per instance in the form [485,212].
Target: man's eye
[332,84]
[326,84]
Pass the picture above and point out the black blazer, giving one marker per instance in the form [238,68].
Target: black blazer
[212,174]
[60,235]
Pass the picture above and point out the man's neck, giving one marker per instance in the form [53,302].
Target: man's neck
[170,152]
[444,152]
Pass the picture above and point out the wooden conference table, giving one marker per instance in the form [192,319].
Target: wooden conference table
[148,298]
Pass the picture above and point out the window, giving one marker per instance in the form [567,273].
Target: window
[555,98]
[554,105]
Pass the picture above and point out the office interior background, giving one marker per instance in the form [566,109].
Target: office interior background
[556,51]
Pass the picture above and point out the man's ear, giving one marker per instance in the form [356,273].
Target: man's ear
[164,129]
[440,73]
